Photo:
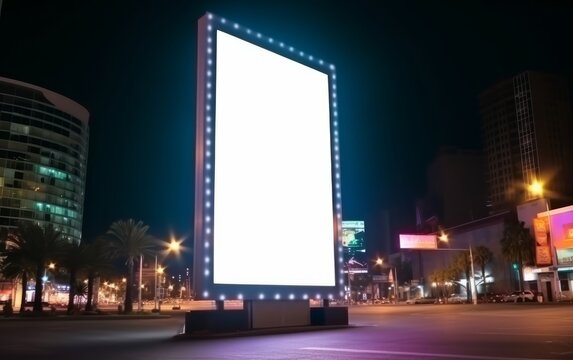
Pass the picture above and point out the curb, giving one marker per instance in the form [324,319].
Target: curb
[258,332]
[49,317]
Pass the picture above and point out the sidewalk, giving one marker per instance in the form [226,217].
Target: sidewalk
[61,315]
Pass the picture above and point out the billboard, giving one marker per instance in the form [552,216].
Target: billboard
[559,233]
[424,242]
[542,245]
[267,156]
[354,247]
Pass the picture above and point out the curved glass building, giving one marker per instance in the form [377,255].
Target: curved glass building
[43,158]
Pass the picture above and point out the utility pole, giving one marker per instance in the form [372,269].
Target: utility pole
[139,303]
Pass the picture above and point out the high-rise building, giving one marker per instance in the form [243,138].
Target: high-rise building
[43,158]
[527,131]
[456,189]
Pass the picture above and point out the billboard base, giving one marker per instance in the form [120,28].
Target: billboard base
[263,315]
[329,316]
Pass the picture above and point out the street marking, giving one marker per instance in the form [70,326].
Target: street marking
[563,353]
[418,354]
[523,334]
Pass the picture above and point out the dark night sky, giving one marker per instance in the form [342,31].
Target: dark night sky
[409,73]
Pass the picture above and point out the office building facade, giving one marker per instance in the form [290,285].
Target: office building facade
[527,131]
[43,158]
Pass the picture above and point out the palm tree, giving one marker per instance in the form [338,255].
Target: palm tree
[482,257]
[16,266]
[98,262]
[129,241]
[73,259]
[517,245]
[37,245]
[80,291]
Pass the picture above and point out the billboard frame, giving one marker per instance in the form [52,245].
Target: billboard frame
[203,279]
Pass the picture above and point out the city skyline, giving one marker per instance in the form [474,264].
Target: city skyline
[409,80]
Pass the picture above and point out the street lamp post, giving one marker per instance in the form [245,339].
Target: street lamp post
[393,272]
[155,285]
[395,285]
[174,246]
[473,279]
[537,189]
[349,285]
[139,303]
[471,285]
[379,262]
[158,272]
[181,289]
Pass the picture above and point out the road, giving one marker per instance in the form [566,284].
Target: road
[392,332]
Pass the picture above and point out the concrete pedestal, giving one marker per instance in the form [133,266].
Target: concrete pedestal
[329,316]
[261,314]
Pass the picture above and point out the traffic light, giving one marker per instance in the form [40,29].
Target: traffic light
[515,266]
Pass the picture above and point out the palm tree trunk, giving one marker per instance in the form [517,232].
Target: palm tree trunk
[72,293]
[521,281]
[38,290]
[484,283]
[24,287]
[468,284]
[90,292]
[128,303]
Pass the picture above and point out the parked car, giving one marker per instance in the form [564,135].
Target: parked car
[45,305]
[520,296]
[423,300]
[456,299]
[511,296]
[491,298]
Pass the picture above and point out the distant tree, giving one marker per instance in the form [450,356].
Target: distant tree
[482,257]
[517,245]
[461,263]
[443,280]
[129,241]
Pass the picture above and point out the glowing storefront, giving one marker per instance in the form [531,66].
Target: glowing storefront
[553,232]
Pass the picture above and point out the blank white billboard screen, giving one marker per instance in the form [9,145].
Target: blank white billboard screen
[273,218]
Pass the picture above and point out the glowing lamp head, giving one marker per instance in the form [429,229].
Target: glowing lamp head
[536,188]
[174,246]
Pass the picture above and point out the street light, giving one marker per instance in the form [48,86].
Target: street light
[349,284]
[45,278]
[444,237]
[139,303]
[160,270]
[174,246]
[536,188]
[380,261]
